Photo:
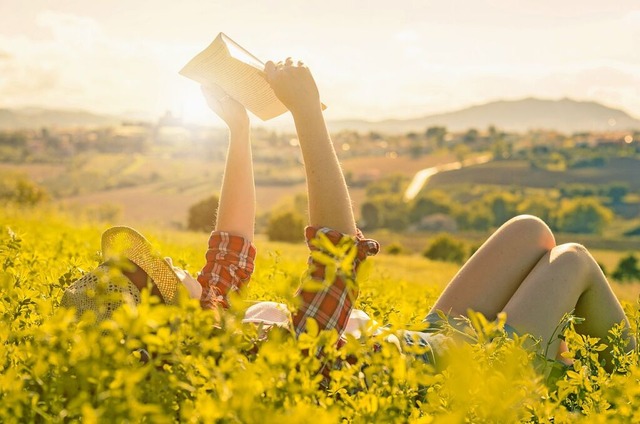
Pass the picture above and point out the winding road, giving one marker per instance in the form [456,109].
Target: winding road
[421,177]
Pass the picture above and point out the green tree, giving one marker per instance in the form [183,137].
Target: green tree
[475,216]
[202,215]
[391,184]
[471,136]
[461,151]
[370,216]
[446,248]
[540,206]
[583,215]
[286,226]
[504,206]
[394,211]
[577,190]
[627,269]
[617,191]
[500,149]
[13,139]
[375,136]
[436,135]
[415,149]
[430,203]
[395,248]
[20,190]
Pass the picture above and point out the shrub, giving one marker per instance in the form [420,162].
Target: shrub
[202,215]
[369,216]
[19,189]
[395,248]
[431,203]
[286,226]
[446,248]
[585,215]
[539,205]
[60,369]
[503,206]
[476,216]
[617,191]
[385,211]
[627,269]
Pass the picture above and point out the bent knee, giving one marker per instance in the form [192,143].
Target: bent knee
[532,229]
[575,250]
[574,255]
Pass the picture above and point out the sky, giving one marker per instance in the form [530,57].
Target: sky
[372,59]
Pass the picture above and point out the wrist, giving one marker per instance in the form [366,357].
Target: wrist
[307,110]
[240,126]
[238,131]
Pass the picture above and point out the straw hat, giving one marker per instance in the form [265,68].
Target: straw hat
[125,242]
[106,287]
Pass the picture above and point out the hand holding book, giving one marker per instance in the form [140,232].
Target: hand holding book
[293,85]
[226,64]
[227,108]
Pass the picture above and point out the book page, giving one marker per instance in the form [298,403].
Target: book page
[243,81]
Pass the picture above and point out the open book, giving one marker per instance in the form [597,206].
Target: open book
[237,72]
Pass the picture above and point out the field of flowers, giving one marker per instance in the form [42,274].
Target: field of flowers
[56,368]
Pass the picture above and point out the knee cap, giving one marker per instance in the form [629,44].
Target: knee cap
[574,252]
[534,229]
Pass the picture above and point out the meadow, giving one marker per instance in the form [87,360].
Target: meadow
[57,368]
[158,189]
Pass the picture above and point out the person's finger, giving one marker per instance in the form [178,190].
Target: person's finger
[269,69]
[269,66]
[300,63]
[288,62]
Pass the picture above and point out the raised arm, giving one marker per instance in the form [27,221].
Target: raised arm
[329,201]
[237,208]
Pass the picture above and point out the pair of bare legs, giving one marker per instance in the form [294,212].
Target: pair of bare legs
[520,270]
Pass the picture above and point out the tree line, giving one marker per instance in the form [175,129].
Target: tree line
[481,208]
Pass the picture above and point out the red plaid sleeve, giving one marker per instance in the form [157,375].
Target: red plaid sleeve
[330,304]
[230,263]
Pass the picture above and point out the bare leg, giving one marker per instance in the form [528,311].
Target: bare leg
[565,279]
[487,281]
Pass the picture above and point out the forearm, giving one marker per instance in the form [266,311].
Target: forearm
[329,201]
[236,211]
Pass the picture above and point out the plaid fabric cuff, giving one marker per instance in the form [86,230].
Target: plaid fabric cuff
[230,263]
[328,292]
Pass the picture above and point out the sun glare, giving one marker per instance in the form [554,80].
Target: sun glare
[193,108]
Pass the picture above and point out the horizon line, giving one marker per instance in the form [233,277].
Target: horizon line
[380,120]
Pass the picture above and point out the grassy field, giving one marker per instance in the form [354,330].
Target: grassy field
[158,189]
[60,369]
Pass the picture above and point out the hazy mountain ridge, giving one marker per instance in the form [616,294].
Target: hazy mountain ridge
[34,118]
[565,115]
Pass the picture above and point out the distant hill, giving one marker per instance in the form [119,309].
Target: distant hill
[563,115]
[11,119]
